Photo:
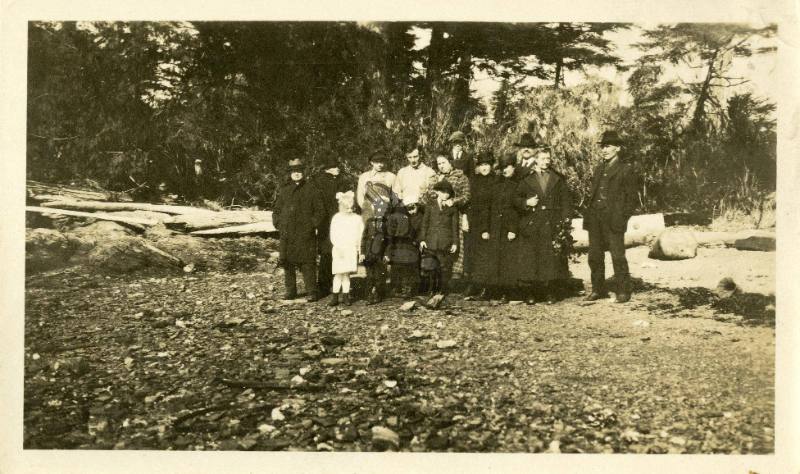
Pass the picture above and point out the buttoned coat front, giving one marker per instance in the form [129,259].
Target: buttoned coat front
[621,196]
[298,214]
[538,260]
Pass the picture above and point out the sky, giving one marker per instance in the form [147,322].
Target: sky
[760,70]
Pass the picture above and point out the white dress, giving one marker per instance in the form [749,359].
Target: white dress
[346,230]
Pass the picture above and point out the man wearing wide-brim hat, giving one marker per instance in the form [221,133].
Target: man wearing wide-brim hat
[298,215]
[612,200]
[526,154]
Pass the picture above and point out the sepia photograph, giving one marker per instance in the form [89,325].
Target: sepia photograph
[400,236]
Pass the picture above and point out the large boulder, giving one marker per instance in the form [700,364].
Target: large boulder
[46,249]
[128,254]
[674,244]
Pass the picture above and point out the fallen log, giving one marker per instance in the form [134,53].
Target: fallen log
[76,205]
[195,222]
[137,223]
[238,230]
[45,192]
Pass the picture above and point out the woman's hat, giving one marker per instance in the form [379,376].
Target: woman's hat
[526,141]
[485,158]
[444,186]
[296,164]
[509,159]
[329,161]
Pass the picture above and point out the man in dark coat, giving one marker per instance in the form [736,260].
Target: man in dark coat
[478,263]
[298,215]
[328,182]
[526,155]
[612,201]
[544,202]
[458,154]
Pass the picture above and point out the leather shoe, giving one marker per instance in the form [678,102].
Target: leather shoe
[623,297]
[596,296]
[530,301]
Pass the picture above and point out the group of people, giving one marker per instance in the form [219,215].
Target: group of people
[500,224]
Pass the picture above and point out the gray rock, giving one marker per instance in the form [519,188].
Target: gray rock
[46,249]
[408,306]
[761,243]
[129,254]
[674,244]
[383,438]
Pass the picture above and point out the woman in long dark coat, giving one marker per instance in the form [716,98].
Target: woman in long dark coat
[504,229]
[481,247]
[543,200]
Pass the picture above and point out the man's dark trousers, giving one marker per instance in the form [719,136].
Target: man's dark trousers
[309,271]
[602,238]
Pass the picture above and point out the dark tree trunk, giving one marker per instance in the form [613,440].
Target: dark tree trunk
[461,99]
[699,111]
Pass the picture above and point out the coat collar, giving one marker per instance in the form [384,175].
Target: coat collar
[552,178]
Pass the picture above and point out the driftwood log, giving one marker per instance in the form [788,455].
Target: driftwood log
[77,205]
[238,230]
[137,223]
[45,192]
[641,230]
[220,219]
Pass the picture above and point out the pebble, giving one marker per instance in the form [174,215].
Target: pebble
[384,438]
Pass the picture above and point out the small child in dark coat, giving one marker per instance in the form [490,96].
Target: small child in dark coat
[403,227]
[439,233]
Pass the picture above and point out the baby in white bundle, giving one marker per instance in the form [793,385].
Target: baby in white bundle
[345,232]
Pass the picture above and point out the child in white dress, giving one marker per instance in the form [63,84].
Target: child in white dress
[346,230]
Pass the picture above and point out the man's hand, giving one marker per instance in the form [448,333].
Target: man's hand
[386,259]
[485,236]
[453,248]
[423,245]
[512,236]
[532,201]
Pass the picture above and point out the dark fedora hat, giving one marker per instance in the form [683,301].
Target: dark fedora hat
[485,158]
[611,137]
[526,141]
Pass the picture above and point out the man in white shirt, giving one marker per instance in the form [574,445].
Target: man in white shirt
[412,179]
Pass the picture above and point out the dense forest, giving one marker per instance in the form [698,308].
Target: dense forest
[132,106]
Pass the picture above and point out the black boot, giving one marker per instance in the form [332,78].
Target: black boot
[346,299]
[334,299]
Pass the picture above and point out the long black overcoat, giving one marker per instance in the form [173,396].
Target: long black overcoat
[537,259]
[298,214]
[479,260]
[504,218]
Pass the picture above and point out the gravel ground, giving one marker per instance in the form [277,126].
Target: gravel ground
[213,361]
